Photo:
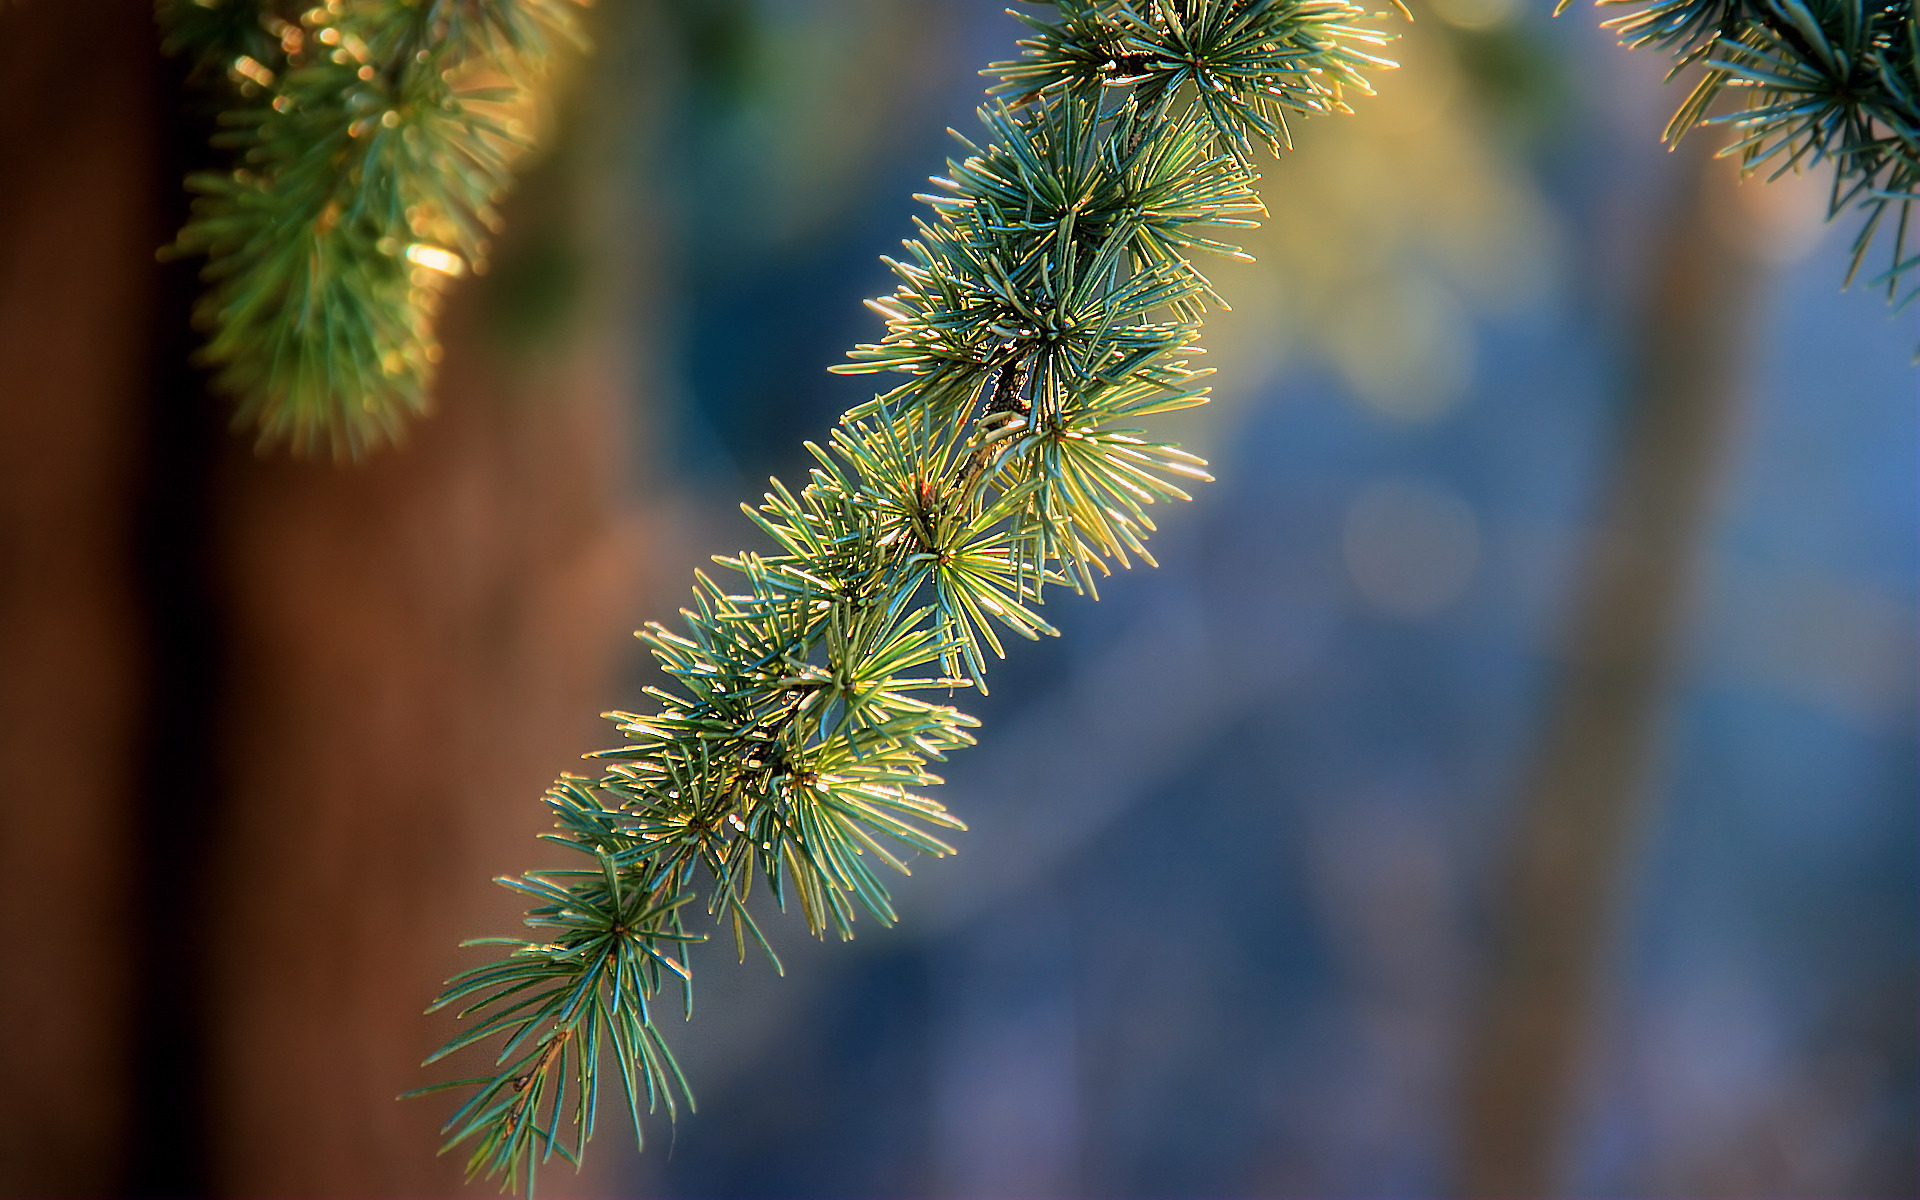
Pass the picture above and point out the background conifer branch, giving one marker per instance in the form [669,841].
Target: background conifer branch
[1045,305]
[372,142]
[1821,81]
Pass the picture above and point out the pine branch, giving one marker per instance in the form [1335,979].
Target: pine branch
[1823,81]
[1047,303]
[373,140]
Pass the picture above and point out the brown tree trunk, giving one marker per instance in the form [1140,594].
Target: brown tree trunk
[78,223]
[266,727]
[1568,863]
[418,647]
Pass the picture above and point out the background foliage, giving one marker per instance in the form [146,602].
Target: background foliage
[372,144]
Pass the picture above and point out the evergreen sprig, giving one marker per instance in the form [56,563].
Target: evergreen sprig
[1823,81]
[372,141]
[1046,304]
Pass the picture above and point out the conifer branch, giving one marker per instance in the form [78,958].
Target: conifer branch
[372,141]
[1823,81]
[1047,303]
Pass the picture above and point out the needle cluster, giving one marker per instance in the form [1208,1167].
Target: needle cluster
[371,142]
[1820,81]
[1046,304]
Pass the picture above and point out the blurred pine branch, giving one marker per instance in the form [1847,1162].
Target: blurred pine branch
[372,141]
[1818,82]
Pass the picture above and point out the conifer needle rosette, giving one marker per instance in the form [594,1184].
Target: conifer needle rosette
[372,141]
[1046,305]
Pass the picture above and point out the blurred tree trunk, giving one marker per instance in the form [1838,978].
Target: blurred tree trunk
[1571,854]
[78,223]
[266,727]
[415,648]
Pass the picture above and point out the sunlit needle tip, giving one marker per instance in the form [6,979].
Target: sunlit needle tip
[435,259]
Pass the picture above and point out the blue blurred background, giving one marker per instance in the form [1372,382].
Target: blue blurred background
[1224,912]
